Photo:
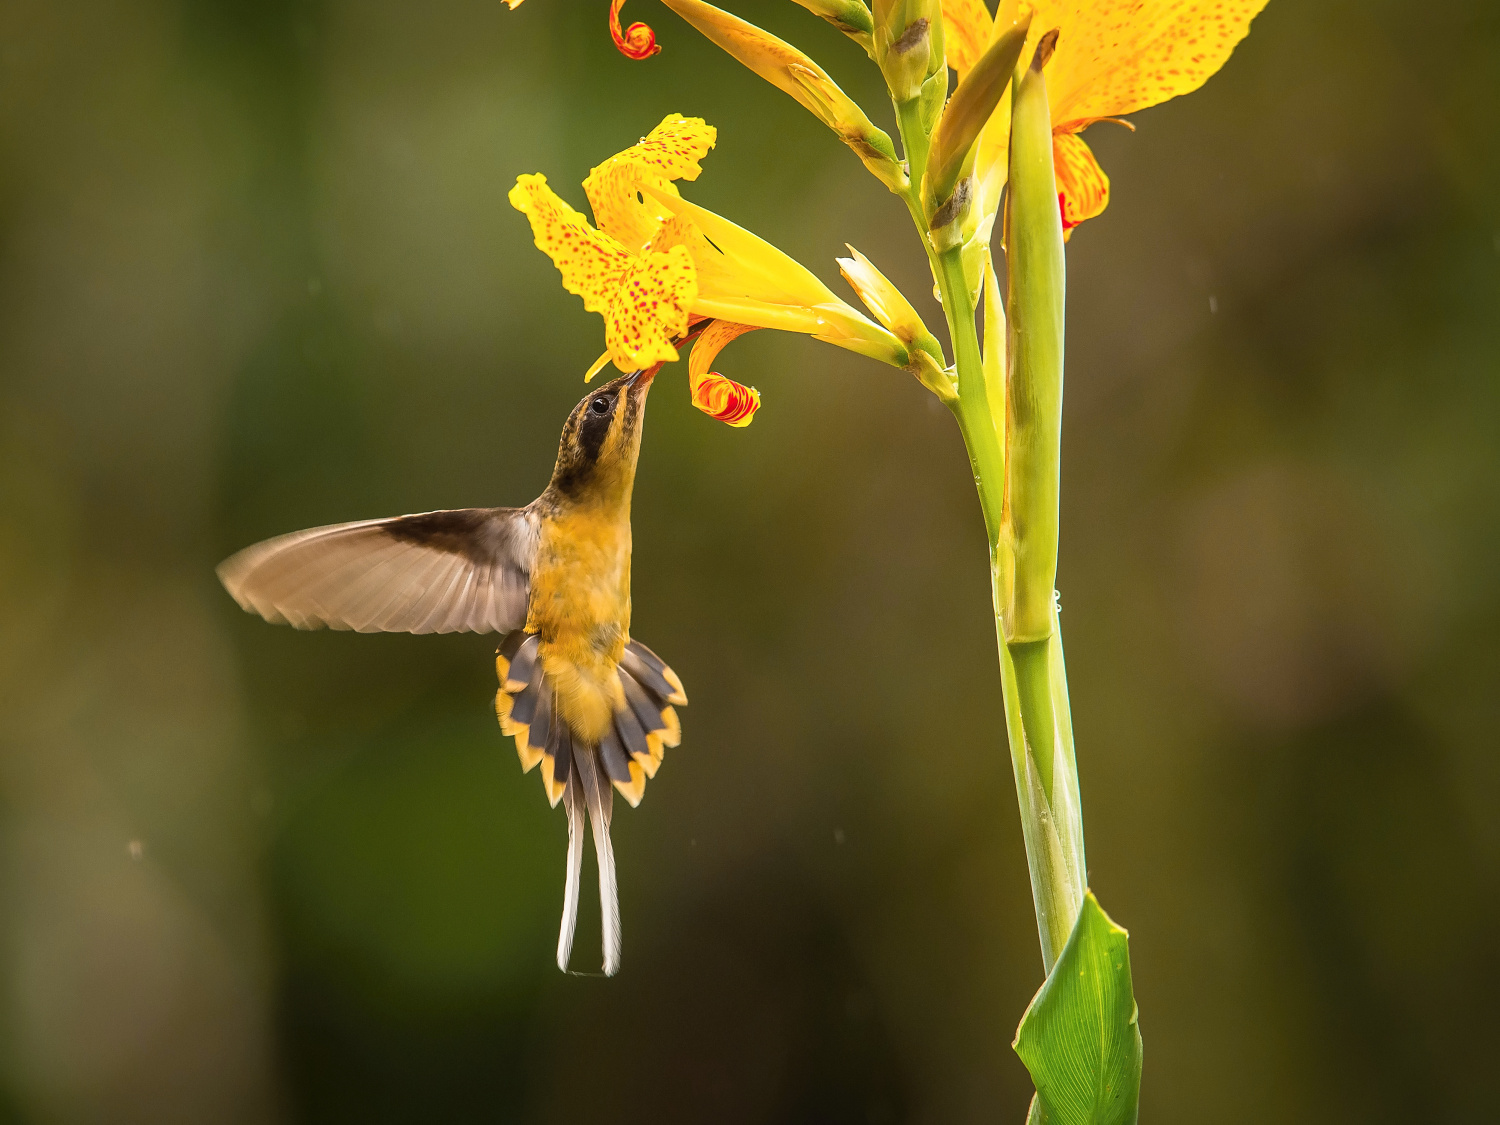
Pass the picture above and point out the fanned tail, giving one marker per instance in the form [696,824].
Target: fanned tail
[580,773]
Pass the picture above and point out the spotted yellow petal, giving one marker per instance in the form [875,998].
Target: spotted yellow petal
[671,151]
[1082,186]
[712,393]
[649,309]
[592,264]
[1118,56]
[966,33]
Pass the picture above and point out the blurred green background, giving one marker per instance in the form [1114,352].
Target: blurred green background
[258,272]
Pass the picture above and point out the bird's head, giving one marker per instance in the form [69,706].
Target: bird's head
[602,439]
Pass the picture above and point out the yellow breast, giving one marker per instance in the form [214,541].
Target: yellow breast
[580,607]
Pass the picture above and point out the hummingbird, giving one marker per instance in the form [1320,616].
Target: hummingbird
[580,697]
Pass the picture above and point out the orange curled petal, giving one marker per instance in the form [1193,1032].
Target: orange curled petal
[1082,186]
[711,392]
[637,41]
[726,400]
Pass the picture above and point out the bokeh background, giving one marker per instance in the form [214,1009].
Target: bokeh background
[258,272]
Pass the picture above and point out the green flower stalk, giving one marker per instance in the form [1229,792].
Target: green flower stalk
[1014,447]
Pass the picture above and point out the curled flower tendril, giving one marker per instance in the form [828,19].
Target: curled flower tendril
[637,41]
[725,400]
[719,397]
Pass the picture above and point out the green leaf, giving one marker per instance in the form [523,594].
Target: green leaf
[1080,1037]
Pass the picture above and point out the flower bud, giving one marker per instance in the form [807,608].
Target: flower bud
[869,142]
[1034,386]
[791,71]
[895,18]
[849,16]
[904,62]
[891,308]
[967,113]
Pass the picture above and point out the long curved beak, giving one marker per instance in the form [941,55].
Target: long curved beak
[642,379]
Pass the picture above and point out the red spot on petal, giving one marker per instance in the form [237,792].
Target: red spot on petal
[1062,207]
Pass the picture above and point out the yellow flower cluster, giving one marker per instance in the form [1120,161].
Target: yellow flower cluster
[656,266]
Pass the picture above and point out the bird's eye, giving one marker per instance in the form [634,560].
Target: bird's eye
[600,406]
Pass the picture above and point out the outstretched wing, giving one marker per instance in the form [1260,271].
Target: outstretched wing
[466,570]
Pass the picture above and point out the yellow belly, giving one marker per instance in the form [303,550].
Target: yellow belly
[580,608]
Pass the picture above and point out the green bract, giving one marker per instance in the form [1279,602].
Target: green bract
[1080,1038]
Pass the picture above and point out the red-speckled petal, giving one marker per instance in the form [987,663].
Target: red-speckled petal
[1082,186]
[671,151]
[592,263]
[1118,56]
[650,309]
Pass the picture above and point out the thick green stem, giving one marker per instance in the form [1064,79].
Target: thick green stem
[1040,727]
[1033,677]
[972,407]
[914,143]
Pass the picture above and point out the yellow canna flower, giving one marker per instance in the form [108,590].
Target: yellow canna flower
[1113,57]
[656,266]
